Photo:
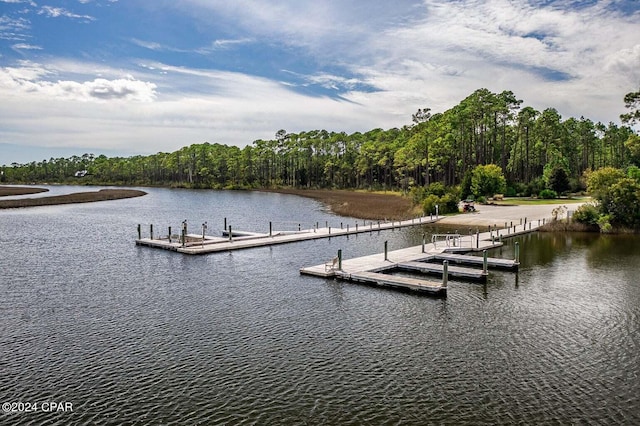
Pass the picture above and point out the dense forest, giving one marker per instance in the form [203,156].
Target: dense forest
[486,128]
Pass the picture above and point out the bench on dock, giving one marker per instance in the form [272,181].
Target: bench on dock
[332,265]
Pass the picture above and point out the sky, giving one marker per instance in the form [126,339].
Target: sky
[137,77]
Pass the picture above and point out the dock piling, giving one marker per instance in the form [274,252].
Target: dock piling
[139,231]
[151,231]
[271,229]
[225,223]
[230,233]
[386,247]
[423,241]
[339,259]
[169,235]
[445,273]
[517,253]
[484,262]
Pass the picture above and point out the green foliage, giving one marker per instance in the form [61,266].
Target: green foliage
[600,181]
[429,204]
[587,214]
[632,102]
[447,203]
[604,222]
[548,194]
[487,180]
[624,202]
[437,188]
[486,130]
[633,172]
[559,180]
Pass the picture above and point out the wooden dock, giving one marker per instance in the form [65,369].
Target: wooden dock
[399,282]
[438,269]
[199,244]
[376,269]
[492,262]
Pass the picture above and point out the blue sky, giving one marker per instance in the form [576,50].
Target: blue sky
[128,77]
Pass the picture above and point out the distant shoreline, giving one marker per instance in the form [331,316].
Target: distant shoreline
[6,191]
[78,197]
[358,204]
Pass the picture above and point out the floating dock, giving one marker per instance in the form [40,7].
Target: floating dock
[433,259]
[235,240]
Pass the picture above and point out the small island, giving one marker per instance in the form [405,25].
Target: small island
[78,197]
[7,191]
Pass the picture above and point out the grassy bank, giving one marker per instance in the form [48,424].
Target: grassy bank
[6,191]
[359,204]
[78,197]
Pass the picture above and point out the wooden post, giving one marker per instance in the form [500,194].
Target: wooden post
[477,239]
[517,253]
[341,225]
[299,227]
[139,231]
[340,260]
[183,237]
[151,231]
[230,234]
[356,226]
[348,227]
[423,241]
[329,230]
[169,235]
[445,273]
[225,223]
[386,246]
[484,262]
[271,229]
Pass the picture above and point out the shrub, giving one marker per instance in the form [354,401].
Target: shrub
[429,204]
[487,180]
[448,203]
[604,222]
[511,192]
[534,187]
[587,214]
[548,194]
[437,188]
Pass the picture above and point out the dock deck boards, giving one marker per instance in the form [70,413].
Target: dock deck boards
[395,281]
[477,260]
[414,258]
[438,269]
[211,244]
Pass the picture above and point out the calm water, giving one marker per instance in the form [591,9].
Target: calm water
[132,335]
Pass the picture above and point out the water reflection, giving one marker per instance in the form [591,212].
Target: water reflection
[135,335]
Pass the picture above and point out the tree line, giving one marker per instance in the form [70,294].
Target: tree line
[528,146]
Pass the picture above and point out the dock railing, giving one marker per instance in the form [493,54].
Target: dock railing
[453,240]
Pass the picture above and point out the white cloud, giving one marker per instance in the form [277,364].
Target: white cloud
[30,81]
[24,46]
[56,12]
[407,55]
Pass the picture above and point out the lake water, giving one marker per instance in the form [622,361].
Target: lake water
[133,335]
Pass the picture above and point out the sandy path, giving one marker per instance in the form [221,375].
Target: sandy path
[497,215]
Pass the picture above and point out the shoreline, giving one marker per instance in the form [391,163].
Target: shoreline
[349,203]
[78,197]
[8,191]
[358,204]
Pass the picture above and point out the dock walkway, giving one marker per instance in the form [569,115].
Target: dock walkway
[197,244]
[370,268]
